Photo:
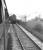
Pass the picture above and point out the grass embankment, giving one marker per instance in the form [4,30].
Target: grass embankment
[37,27]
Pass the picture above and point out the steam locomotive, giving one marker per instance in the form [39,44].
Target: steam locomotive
[12,19]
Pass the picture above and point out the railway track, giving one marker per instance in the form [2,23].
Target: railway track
[21,41]
[16,45]
[36,40]
[25,41]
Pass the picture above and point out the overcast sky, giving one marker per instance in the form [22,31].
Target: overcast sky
[31,8]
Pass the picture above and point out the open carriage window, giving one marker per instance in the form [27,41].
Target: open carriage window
[0,12]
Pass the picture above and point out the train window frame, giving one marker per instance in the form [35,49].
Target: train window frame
[0,12]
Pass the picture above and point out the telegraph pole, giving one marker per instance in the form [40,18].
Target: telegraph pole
[25,18]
